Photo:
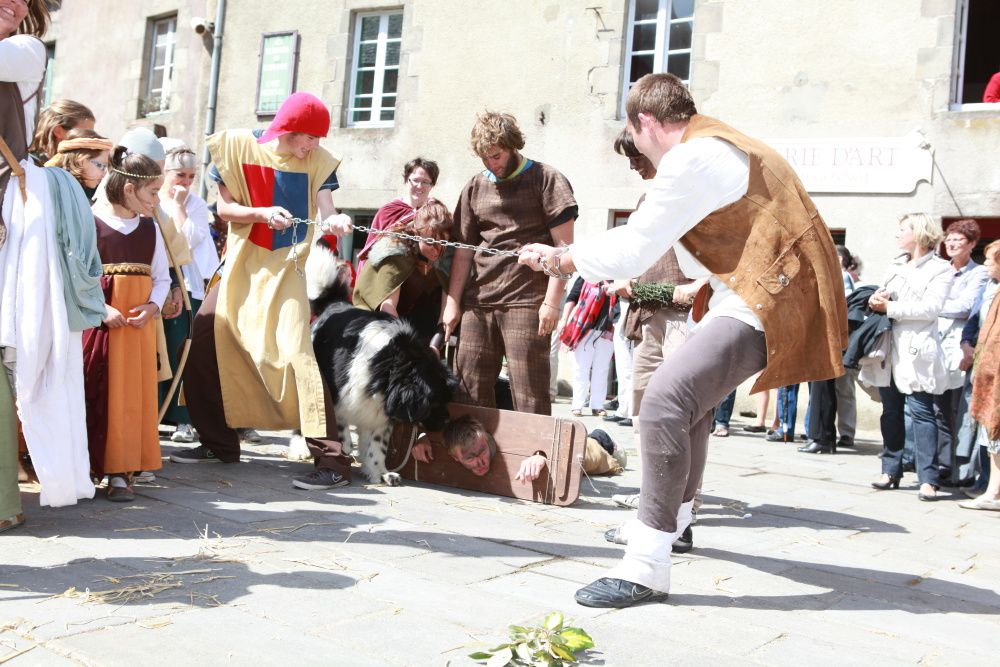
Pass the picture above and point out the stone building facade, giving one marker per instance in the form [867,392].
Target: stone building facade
[875,102]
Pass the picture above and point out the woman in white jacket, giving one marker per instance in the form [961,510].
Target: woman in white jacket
[912,296]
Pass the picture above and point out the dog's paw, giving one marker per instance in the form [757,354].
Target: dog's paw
[392,479]
[298,450]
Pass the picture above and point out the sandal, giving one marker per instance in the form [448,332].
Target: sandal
[11,522]
[119,490]
[576,413]
[599,413]
[721,432]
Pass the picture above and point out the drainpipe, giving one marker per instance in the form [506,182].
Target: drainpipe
[213,89]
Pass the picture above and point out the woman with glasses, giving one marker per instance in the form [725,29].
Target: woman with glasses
[419,178]
[912,297]
[84,154]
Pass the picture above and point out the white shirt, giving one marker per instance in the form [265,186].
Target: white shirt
[693,179]
[199,237]
[22,61]
[159,267]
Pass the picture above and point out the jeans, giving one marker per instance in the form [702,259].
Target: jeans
[921,408]
[788,401]
[724,412]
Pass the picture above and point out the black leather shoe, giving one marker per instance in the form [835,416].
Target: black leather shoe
[817,447]
[625,422]
[845,442]
[612,418]
[616,593]
[684,543]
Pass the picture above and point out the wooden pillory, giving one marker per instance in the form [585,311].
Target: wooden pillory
[518,435]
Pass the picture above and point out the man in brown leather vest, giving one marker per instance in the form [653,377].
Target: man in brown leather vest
[735,212]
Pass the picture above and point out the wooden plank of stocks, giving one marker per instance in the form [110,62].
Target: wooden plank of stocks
[518,435]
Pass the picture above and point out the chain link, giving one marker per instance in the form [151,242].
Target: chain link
[410,237]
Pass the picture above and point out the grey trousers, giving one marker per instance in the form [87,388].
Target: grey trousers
[676,412]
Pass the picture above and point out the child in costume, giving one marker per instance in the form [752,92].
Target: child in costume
[251,362]
[84,154]
[120,359]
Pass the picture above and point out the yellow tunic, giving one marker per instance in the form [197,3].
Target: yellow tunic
[267,370]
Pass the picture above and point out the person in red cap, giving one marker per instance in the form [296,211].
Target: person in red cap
[251,362]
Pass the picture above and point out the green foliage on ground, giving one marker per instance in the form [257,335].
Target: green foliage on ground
[551,644]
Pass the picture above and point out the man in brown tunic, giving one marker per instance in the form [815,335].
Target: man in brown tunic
[735,212]
[508,309]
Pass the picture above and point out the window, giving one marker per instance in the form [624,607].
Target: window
[159,66]
[976,57]
[278,63]
[349,246]
[375,69]
[50,66]
[619,218]
[658,39]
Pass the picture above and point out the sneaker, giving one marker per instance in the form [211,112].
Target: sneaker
[681,545]
[684,543]
[248,435]
[183,433]
[144,477]
[631,501]
[320,479]
[199,454]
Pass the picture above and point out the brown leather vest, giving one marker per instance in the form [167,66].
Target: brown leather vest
[773,249]
[12,131]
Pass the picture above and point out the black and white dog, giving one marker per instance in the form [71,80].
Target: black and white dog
[377,370]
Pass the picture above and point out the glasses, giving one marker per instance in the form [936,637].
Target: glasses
[419,183]
[99,165]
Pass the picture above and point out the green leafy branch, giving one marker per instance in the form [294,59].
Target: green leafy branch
[551,644]
[653,293]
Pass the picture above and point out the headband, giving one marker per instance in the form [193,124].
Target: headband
[131,175]
[84,143]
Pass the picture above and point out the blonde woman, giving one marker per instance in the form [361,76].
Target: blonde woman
[912,296]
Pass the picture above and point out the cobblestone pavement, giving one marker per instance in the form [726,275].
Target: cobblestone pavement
[796,561]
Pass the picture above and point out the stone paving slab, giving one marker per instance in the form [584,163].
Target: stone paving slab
[796,560]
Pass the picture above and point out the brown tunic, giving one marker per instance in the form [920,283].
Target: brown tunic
[507,215]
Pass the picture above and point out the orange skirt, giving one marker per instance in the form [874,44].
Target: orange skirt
[131,441]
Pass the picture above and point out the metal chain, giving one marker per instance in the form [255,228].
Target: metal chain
[408,237]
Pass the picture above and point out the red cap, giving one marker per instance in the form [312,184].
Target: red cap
[301,112]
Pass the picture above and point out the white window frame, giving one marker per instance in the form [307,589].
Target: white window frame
[661,49]
[380,68]
[958,64]
[163,93]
